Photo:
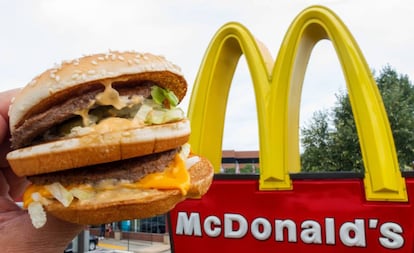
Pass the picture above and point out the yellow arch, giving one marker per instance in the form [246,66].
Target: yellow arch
[210,92]
[278,101]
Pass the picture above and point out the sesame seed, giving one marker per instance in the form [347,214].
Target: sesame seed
[145,57]
[91,72]
[101,58]
[75,76]
[121,58]
[57,78]
[130,62]
[113,57]
[137,61]
[94,62]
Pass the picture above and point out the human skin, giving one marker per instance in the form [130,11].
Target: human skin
[17,232]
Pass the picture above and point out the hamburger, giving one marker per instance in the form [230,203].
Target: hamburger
[102,139]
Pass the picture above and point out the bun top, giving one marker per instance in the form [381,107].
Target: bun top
[91,69]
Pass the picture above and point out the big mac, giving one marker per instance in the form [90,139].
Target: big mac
[101,139]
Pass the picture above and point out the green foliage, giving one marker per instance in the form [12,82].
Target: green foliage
[246,169]
[330,141]
[317,140]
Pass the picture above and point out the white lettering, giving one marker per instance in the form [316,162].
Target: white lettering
[311,232]
[291,228]
[188,226]
[236,226]
[266,229]
[391,235]
[212,226]
[230,220]
[353,234]
[330,231]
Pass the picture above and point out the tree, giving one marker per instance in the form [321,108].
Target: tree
[341,150]
[317,142]
[398,95]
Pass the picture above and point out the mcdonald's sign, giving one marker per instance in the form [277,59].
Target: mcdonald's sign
[281,209]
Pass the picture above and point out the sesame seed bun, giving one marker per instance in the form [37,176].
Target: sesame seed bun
[54,84]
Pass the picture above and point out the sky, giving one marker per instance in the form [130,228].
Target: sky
[36,35]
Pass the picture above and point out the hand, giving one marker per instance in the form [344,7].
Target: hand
[16,229]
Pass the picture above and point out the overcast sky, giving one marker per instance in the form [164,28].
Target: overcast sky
[37,34]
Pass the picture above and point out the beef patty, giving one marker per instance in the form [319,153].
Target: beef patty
[132,169]
[32,129]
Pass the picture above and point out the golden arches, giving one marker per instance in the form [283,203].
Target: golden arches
[278,101]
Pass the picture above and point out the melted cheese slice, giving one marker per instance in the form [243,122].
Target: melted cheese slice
[175,176]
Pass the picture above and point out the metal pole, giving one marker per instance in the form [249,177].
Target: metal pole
[83,241]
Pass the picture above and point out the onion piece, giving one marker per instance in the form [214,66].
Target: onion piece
[191,161]
[185,151]
[82,194]
[60,193]
[37,214]
[36,196]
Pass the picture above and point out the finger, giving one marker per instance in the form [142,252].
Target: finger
[4,147]
[53,237]
[5,99]
[4,128]
[17,184]
[7,209]
[4,187]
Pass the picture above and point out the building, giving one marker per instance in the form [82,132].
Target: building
[240,162]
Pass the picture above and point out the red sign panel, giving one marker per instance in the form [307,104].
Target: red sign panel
[317,215]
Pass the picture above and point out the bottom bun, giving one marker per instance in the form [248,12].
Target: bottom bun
[126,204]
[155,203]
